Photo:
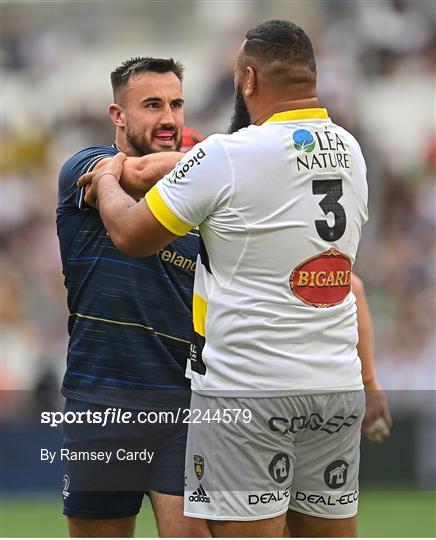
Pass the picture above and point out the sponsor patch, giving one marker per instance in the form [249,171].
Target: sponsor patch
[303,140]
[182,168]
[335,475]
[327,500]
[314,422]
[269,497]
[324,280]
[199,495]
[279,468]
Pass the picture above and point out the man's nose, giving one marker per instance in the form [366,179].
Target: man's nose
[168,115]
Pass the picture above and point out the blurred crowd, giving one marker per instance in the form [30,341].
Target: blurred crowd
[376,64]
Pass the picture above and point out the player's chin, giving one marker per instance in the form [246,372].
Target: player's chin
[164,146]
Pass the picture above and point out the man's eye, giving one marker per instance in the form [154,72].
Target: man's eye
[177,104]
[152,105]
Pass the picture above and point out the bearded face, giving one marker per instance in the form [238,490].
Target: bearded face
[152,110]
[164,137]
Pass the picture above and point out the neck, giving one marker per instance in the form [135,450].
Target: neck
[122,144]
[286,105]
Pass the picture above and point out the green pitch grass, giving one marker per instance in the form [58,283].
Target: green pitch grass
[382,514]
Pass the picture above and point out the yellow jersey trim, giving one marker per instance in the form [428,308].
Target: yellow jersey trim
[164,215]
[298,114]
[199,312]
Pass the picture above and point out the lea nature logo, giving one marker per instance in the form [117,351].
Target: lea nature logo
[303,140]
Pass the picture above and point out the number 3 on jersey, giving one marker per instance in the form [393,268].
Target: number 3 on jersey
[333,192]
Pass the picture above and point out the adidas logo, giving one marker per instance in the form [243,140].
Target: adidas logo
[199,495]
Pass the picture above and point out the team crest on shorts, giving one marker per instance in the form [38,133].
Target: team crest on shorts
[67,482]
[324,280]
[199,466]
[279,468]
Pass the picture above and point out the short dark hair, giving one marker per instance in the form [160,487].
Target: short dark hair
[280,40]
[134,66]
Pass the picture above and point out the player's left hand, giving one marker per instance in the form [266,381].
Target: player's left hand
[377,420]
[112,167]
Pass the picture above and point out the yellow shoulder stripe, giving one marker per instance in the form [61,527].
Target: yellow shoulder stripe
[164,215]
[298,114]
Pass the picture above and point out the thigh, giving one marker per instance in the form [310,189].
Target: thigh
[302,525]
[262,528]
[168,465]
[237,469]
[325,481]
[171,523]
[102,528]
[85,506]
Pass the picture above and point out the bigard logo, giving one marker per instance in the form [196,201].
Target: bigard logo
[199,466]
[279,468]
[324,280]
[199,495]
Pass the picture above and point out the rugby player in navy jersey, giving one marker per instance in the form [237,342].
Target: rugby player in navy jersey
[130,320]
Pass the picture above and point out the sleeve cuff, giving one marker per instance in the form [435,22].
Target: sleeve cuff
[164,215]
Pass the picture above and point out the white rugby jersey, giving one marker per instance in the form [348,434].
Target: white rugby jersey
[280,209]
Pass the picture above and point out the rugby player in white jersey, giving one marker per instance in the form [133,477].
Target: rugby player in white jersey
[280,206]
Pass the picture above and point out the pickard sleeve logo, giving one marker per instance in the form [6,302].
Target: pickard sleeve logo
[324,280]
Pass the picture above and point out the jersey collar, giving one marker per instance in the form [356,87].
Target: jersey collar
[298,114]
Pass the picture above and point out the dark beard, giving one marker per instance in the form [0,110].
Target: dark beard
[141,147]
[241,116]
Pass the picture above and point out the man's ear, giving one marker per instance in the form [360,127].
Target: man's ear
[117,115]
[250,81]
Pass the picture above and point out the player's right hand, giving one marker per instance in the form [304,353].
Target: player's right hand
[377,421]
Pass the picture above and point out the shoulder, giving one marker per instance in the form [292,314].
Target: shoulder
[353,144]
[351,140]
[251,135]
[69,195]
[249,144]
[84,160]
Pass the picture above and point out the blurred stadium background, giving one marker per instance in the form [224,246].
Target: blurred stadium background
[376,63]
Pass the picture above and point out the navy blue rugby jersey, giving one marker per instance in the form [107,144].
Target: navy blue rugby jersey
[130,319]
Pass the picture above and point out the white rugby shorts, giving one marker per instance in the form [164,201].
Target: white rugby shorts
[296,452]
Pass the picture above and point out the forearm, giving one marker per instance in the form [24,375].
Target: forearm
[114,205]
[365,346]
[141,174]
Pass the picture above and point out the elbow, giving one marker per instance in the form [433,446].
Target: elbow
[357,285]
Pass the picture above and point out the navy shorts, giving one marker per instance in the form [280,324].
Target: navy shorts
[107,470]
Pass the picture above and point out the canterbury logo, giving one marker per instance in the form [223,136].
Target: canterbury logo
[199,495]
